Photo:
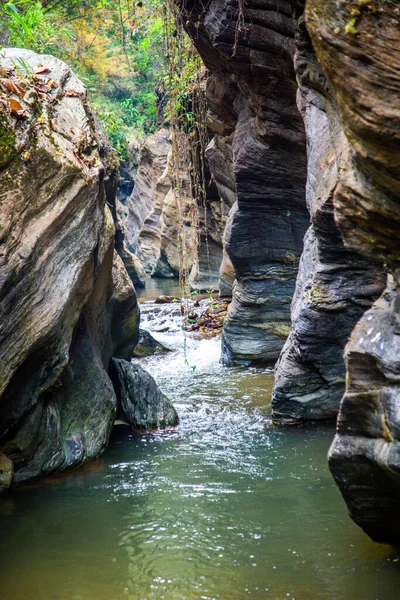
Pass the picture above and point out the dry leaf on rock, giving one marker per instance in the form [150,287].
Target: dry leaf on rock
[16,107]
[42,70]
[13,87]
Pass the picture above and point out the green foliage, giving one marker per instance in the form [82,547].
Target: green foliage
[32,26]
[115,46]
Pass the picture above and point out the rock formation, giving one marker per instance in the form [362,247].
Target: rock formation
[257,157]
[335,285]
[163,229]
[67,304]
[153,163]
[140,402]
[348,98]
[358,48]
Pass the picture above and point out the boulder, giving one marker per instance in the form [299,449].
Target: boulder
[140,401]
[148,345]
[66,303]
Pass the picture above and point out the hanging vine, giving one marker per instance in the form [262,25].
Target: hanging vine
[186,114]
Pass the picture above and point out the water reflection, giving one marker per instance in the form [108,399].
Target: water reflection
[223,507]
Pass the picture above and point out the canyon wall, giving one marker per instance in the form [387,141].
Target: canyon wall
[258,160]
[358,46]
[67,304]
[335,284]
[161,223]
[347,80]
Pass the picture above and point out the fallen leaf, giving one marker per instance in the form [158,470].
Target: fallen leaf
[51,83]
[16,107]
[12,87]
[74,94]
[42,70]
[41,87]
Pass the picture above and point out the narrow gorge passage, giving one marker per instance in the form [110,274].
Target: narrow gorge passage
[224,506]
[199,279]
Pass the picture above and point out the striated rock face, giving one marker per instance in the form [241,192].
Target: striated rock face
[140,402]
[335,285]
[358,48]
[171,236]
[67,304]
[157,216]
[153,163]
[258,158]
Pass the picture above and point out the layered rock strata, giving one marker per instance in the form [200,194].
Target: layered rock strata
[335,285]
[357,45]
[152,165]
[258,158]
[67,304]
[168,234]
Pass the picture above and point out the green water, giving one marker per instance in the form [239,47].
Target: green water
[225,506]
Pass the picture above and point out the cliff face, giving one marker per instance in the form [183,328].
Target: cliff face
[66,303]
[348,83]
[270,105]
[359,52]
[163,229]
[258,161]
[335,285]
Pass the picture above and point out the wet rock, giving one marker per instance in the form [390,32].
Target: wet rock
[148,345]
[164,299]
[140,402]
[360,59]
[66,302]
[335,285]
[6,472]
[258,160]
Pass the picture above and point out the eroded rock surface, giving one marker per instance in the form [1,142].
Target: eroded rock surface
[359,52]
[67,304]
[335,285]
[140,401]
[258,158]
[152,165]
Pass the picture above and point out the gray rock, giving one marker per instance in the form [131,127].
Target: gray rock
[335,285]
[258,157]
[140,401]
[148,345]
[66,302]
[152,164]
[363,72]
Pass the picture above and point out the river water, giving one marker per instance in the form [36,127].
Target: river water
[225,506]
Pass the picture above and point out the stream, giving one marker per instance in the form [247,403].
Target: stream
[224,506]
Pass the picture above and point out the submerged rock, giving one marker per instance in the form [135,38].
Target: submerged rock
[148,345]
[140,401]
[6,472]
